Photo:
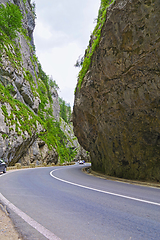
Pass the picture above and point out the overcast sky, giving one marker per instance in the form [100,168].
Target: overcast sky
[62,34]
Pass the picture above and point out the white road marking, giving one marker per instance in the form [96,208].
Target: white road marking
[101,191]
[45,232]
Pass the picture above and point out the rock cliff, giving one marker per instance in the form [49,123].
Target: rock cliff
[29,106]
[116,112]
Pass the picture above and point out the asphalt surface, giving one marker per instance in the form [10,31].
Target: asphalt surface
[75,206]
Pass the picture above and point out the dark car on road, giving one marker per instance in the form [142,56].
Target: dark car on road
[3,166]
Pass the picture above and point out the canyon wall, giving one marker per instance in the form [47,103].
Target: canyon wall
[29,107]
[116,113]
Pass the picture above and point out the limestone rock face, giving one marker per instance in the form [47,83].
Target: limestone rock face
[38,153]
[16,75]
[13,146]
[56,106]
[116,112]
[83,155]
[17,145]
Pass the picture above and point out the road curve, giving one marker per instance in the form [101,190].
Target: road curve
[65,203]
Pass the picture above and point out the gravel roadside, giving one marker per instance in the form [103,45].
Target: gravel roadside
[7,229]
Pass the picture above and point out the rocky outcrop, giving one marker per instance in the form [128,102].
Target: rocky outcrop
[16,75]
[19,128]
[82,154]
[39,153]
[116,112]
[56,106]
[77,151]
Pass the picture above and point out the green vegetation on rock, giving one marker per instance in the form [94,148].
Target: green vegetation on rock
[10,20]
[10,24]
[19,117]
[25,120]
[65,110]
[95,40]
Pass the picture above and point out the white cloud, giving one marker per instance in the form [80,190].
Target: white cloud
[60,64]
[43,31]
[48,37]
[62,34]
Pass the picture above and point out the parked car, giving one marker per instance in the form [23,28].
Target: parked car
[3,166]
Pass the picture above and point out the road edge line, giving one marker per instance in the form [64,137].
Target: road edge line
[105,192]
[44,231]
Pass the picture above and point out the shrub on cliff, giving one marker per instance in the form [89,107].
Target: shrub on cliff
[10,19]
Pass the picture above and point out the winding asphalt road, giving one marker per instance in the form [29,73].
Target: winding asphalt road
[65,203]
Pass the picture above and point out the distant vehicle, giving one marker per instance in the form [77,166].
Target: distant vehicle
[3,166]
[81,162]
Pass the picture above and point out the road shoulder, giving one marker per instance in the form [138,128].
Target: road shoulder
[7,228]
[89,171]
